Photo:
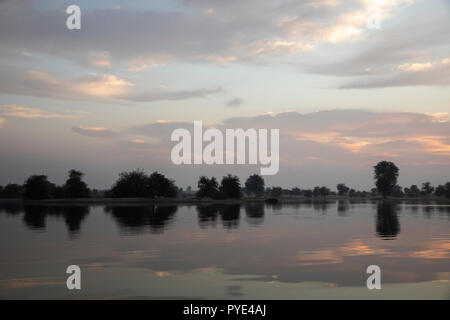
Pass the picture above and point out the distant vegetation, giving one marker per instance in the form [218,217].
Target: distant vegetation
[138,184]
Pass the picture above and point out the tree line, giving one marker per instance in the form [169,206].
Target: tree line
[139,184]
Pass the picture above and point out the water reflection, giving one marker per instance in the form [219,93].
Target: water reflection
[254,213]
[243,246]
[35,216]
[229,215]
[342,207]
[137,219]
[387,224]
[11,208]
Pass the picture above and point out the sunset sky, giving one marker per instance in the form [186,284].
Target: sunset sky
[105,98]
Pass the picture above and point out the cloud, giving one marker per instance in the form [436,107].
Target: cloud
[374,61]
[410,74]
[95,132]
[415,66]
[2,121]
[324,3]
[235,103]
[32,113]
[106,88]
[339,135]
[251,33]
[192,34]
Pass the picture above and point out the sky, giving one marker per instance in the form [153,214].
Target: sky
[345,93]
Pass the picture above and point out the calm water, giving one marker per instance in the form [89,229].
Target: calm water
[257,251]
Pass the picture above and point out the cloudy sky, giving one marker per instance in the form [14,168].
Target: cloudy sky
[344,94]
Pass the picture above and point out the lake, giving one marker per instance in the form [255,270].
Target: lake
[247,251]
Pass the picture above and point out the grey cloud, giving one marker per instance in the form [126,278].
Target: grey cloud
[95,132]
[170,95]
[235,103]
[437,76]
[159,129]
[225,34]
[191,35]
[104,88]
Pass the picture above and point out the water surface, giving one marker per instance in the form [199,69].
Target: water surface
[248,251]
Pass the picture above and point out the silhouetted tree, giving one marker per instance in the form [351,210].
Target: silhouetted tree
[37,187]
[133,184]
[439,191]
[324,192]
[397,191]
[447,189]
[385,174]
[75,187]
[374,192]
[316,191]
[276,192]
[255,185]
[160,186]
[342,189]
[412,191]
[426,189]
[296,191]
[207,187]
[1,192]
[12,191]
[308,193]
[230,186]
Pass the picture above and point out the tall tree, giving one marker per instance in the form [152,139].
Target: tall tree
[75,187]
[230,186]
[385,174]
[255,185]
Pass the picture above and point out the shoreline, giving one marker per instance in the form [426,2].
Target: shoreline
[194,201]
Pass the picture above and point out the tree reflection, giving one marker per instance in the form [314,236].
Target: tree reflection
[321,206]
[35,216]
[387,224]
[342,207]
[11,208]
[229,214]
[254,213]
[207,215]
[137,219]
